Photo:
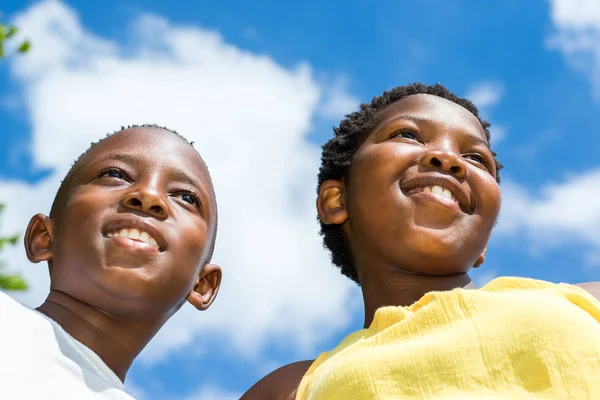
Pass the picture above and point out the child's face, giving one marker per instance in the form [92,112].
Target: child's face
[133,235]
[423,142]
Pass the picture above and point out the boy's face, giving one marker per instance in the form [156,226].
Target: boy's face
[421,192]
[132,237]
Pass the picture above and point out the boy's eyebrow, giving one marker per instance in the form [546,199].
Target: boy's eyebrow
[426,120]
[126,158]
[176,174]
[181,176]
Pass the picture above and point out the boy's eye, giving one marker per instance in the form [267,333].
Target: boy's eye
[406,134]
[188,197]
[112,173]
[477,158]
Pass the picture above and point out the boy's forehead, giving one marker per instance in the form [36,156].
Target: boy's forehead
[150,145]
[435,109]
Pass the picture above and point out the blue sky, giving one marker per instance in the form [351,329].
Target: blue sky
[258,85]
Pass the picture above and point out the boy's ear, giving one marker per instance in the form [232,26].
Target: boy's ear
[206,287]
[481,258]
[38,238]
[331,204]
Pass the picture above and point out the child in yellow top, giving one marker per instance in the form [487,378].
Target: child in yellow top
[408,197]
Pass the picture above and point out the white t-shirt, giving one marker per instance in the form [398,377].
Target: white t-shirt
[39,360]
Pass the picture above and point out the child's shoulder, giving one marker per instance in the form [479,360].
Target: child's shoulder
[8,305]
[280,384]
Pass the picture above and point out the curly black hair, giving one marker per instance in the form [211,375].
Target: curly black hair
[338,153]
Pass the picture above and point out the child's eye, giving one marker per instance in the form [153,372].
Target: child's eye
[477,158]
[189,198]
[406,134]
[112,173]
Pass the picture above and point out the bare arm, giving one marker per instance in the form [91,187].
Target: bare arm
[592,288]
[280,384]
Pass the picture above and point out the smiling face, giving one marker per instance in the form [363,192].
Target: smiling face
[421,192]
[132,237]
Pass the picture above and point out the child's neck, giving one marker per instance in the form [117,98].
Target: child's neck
[403,289]
[115,340]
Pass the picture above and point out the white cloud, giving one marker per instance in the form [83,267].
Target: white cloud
[337,101]
[483,275]
[575,13]
[577,36]
[250,118]
[203,392]
[497,133]
[556,215]
[208,392]
[485,94]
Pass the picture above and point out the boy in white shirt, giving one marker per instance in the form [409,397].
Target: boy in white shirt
[129,239]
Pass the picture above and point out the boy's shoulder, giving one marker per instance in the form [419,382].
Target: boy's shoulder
[10,307]
[280,384]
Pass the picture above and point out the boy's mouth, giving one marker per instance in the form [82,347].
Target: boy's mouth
[135,235]
[440,186]
[435,189]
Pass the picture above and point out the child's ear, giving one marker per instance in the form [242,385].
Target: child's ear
[38,238]
[206,287]
[481,258]
[331,205]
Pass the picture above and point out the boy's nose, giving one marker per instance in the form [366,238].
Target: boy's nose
[146,201]
[445,160]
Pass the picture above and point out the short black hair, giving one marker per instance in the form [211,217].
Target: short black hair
[338,153]
[64,189]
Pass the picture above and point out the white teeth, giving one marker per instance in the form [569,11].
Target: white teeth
[144,237]
[447,194]
[436,189]
[134,234]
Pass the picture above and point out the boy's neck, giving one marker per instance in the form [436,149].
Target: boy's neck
[404,289]
[117,341]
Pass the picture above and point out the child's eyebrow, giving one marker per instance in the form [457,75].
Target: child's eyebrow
[181,176]
[422,120]
[175,173]
[126,158]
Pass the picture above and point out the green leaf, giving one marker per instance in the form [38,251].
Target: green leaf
[24,47]
[8,240]
[12,282]
[11,32]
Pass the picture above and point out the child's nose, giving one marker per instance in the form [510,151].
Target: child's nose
[445,160]
[146,201]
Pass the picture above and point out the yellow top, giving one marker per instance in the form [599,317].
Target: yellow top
[514,338]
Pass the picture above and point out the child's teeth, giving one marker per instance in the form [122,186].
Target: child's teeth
[437,189]
[135,234]
[144,237]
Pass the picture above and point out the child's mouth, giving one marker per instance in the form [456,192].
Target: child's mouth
[135,235]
